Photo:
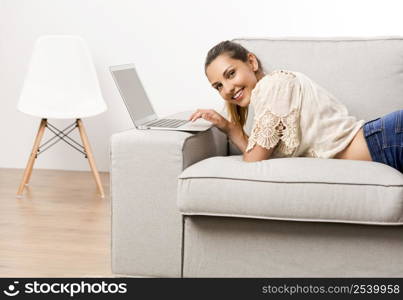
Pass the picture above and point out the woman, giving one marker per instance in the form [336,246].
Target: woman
[294,116]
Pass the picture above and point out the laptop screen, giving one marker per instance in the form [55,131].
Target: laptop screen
[133,93]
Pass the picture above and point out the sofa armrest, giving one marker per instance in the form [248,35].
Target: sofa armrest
[146,224]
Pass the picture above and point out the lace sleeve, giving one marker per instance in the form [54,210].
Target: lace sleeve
[271,130]
[277,107]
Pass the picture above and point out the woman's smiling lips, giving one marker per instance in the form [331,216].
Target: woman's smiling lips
[238,95]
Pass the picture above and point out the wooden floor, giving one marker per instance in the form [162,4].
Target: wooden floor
[60,228]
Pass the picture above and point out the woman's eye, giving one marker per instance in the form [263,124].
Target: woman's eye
[218,87]
[231,73]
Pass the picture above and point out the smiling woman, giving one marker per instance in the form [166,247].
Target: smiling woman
[294,116]
[233,72]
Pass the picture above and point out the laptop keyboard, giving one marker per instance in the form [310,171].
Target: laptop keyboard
[173,123]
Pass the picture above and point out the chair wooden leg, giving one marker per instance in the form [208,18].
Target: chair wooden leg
[31,160]
[29,177]
[90,157]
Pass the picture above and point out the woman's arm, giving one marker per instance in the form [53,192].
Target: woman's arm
[256,154]
[234,132]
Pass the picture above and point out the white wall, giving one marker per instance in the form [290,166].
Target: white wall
[167,40]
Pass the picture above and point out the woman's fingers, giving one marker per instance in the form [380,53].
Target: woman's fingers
[194,116]
[210,115]
[207,114]
[198,114]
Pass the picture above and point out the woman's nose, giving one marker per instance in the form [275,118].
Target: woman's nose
[229,91]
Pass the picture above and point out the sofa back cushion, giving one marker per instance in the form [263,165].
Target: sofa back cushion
[366,74]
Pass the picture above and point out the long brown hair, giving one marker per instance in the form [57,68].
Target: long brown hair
[237,114]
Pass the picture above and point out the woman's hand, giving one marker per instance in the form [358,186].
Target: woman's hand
[212,116]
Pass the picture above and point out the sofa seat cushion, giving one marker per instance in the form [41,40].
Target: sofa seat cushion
[295,189]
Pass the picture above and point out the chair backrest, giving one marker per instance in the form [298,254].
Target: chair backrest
[61,82]
[366,74]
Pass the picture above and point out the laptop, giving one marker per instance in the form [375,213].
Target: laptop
[140,108]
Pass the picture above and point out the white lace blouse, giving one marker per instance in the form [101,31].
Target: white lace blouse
[300,117]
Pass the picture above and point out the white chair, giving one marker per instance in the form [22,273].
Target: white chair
[61,83]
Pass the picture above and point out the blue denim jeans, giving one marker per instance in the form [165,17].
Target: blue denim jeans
[384,138]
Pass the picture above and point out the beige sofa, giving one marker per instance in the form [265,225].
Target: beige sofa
[186,205]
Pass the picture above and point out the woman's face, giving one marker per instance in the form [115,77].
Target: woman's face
[233,78]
